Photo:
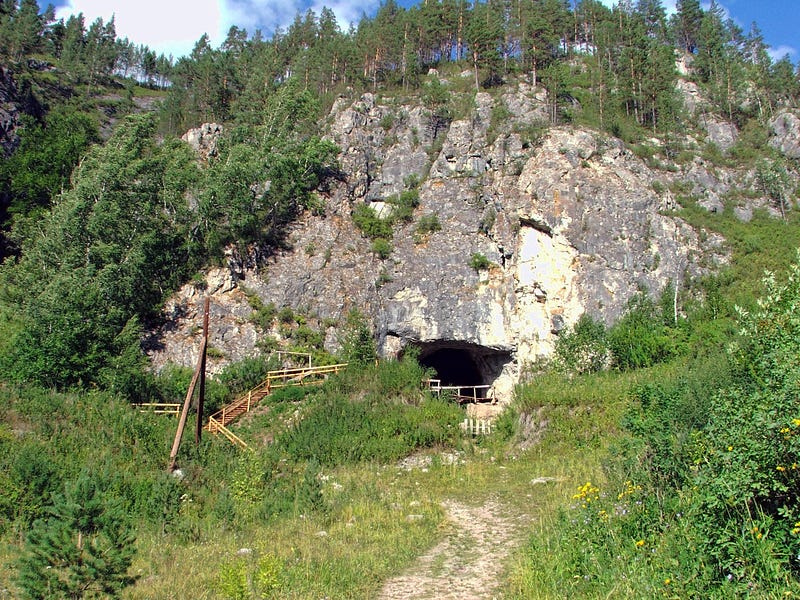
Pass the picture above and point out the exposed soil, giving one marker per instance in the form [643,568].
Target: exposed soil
[468,563]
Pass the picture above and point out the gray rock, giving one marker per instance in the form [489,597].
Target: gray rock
[743,213]
[203,139]
[692,97]
[9,113]
[720,132]
[711,202]
[786,129]
[569,226]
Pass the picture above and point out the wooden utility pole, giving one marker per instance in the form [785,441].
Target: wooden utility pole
[201,396]
[199,369]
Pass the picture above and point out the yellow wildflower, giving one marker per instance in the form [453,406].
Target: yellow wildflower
[639,543]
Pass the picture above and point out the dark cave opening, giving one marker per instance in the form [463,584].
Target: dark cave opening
[463,364]
[453,366]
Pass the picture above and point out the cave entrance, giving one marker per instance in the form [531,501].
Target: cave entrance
[463,364]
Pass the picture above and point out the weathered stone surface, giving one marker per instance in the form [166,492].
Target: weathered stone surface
[692,97]
[571,225]
[204,139]
[9,113]
[743,213]
[720,132]
[230,332]
[786,129]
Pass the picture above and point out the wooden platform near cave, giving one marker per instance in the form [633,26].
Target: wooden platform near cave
[462,393]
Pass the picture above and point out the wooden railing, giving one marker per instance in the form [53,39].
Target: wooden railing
[297,376]
[462,393]
[159,408]
[215,426]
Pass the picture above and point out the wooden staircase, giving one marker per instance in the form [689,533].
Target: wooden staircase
[301,376]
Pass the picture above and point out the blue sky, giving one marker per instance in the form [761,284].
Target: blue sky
[172,26]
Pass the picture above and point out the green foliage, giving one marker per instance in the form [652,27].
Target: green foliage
[248,578]
[100,263]
[584,348]
[381,248]
[263,178]
[341,430]
[749,478]
[774,181]
[428,224]
[379,229]
[358,344]
[286,315]
[383,278]
[40,168]
[403,205]
[639,339]
[85,548]
[245,374]
[704,484]
[370,224]
[263,315]
[479,262]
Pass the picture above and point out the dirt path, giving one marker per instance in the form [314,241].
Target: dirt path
[468,562]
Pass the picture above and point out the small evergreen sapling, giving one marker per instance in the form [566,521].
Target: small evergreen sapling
[84,549]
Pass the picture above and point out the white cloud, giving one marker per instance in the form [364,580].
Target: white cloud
[347,11]
[168,26]
[778,52]
[257,14]
[268,15]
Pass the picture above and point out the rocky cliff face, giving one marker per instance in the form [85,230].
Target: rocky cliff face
[9,113]
[570,220]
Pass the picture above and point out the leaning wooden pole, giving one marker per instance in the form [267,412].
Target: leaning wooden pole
[173,455]
[201,395]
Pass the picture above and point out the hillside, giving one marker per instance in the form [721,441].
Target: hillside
[567,210]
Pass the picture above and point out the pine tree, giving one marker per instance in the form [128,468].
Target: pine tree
[24,35]
[686,22]
[484,35]
[358,345]
[84,549]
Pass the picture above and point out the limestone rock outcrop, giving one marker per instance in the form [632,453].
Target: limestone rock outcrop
[9,113]
[203,139]
[570,220]
[786,129]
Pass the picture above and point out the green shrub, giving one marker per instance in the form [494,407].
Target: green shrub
[338,430]
[286,315]
[638,339]
[86,547]
[245,374]
[387,121]
[290,394]
[701,497]
[382,248]
[749,476]
[479,262]
[263,315]
[428,224]
[370,224]
[403,205]
[358,344]
[246,578]
[584,348]
[383,278]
